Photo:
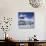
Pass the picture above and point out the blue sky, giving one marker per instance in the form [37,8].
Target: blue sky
[26,14]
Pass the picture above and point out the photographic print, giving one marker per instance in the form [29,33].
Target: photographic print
[26,20]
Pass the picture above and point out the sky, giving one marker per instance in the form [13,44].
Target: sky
[28,15]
